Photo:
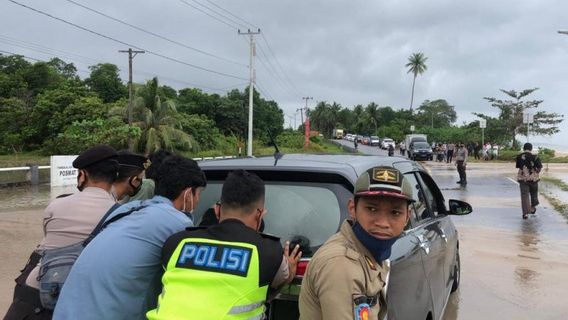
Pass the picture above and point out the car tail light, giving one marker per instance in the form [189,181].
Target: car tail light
[302,268]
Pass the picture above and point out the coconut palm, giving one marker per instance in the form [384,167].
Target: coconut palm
[372,115]
[416,65]
[157,119]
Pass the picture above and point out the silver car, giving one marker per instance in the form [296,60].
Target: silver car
[306,198]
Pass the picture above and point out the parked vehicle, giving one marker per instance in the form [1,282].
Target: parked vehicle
[337,133]
[420,150]
[366,140]
[410,138]
[306,199]
[386,142]
[375,141]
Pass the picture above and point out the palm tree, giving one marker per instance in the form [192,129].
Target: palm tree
[416,65]
[157,119]
[372,114]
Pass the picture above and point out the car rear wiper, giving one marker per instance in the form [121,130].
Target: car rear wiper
[277,154]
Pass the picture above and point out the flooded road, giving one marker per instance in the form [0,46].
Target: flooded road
[511,268]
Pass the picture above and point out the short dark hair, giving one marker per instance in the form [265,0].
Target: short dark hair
[527,146]
[156,158]
[125,172]
[241,190]
[103,171]
[177,173]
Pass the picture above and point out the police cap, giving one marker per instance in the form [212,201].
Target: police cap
[383,181]
[94,155]
[129,159]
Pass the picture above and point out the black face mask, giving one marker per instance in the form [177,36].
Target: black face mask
[135,189]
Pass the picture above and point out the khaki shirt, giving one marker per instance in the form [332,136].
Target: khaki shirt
[341,271]
[71,219]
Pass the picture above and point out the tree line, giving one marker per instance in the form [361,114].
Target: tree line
[47,107]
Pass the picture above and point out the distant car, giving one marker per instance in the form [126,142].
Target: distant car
[306,198]
[386,143]
[420,150]
[375,141]
[366,140]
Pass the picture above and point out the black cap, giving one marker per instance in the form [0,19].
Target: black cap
[130,159]
[94,155]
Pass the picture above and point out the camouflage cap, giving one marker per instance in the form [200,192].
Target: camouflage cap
[383,182]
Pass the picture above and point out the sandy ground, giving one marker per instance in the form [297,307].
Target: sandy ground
[20,232]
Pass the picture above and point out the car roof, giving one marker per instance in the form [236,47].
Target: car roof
[347,166]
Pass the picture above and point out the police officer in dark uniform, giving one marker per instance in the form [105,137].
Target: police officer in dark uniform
[225,271]
[67,220]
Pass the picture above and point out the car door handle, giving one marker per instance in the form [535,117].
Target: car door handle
[425,246]
[443,235]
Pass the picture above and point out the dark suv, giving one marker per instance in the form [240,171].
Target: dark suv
[420,150]
[306,198]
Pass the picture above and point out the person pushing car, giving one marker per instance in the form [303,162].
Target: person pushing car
[228,270]
[347,276]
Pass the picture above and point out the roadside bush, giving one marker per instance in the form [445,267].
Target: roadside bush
[290,139]
[508,155]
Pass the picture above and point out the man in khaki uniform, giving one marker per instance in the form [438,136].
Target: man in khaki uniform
[347,276]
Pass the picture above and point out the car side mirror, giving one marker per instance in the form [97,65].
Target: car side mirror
[459,208]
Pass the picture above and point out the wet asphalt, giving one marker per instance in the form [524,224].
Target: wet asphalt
[511,268]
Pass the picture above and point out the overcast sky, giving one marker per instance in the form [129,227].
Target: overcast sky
[352,52]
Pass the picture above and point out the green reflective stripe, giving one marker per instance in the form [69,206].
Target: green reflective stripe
[246,308]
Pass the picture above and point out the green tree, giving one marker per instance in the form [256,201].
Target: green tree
[417,66]
[511,115]
[435,114]
[105,81]
[372,115]
[158,121]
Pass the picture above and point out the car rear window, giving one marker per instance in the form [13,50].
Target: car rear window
[310,212]
[421,145]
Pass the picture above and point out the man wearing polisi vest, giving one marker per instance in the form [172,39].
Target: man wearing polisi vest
[347,276]
[66,221]
[225,271]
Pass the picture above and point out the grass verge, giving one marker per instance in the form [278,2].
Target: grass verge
[22,160]
[558,205]
[557,182]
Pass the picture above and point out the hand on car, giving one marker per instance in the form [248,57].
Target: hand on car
[293,258]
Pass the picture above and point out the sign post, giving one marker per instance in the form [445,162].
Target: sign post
[62,171]
[412,128]
[482,125]
[528,119]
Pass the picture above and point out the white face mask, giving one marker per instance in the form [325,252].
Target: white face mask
[191,197]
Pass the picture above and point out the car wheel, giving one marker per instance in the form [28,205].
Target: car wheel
[457,271]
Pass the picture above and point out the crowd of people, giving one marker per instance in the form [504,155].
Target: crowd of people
[125,247]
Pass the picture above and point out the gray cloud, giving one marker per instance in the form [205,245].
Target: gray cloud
[346,51]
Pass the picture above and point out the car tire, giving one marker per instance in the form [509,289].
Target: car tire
[457,273]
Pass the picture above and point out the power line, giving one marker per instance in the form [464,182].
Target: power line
[227,11]
[278,63]
[220,14]
[128,44]
[155,34]
[147,73]
[17,54]
[208,14]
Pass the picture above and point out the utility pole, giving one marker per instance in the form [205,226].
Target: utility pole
[251,85]
[131,55]
[307,124]
[301,110]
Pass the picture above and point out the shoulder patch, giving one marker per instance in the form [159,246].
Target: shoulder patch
[269,236]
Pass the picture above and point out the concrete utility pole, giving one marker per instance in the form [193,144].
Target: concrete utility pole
[251,86]
[131,55]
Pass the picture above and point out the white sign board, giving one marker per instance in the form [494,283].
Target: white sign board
[528,118]
[62,171]
[483,123]
[412,128]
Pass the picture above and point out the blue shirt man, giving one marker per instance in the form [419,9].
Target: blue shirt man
[117,276]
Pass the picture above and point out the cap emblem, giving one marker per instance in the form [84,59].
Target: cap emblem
[386,175]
